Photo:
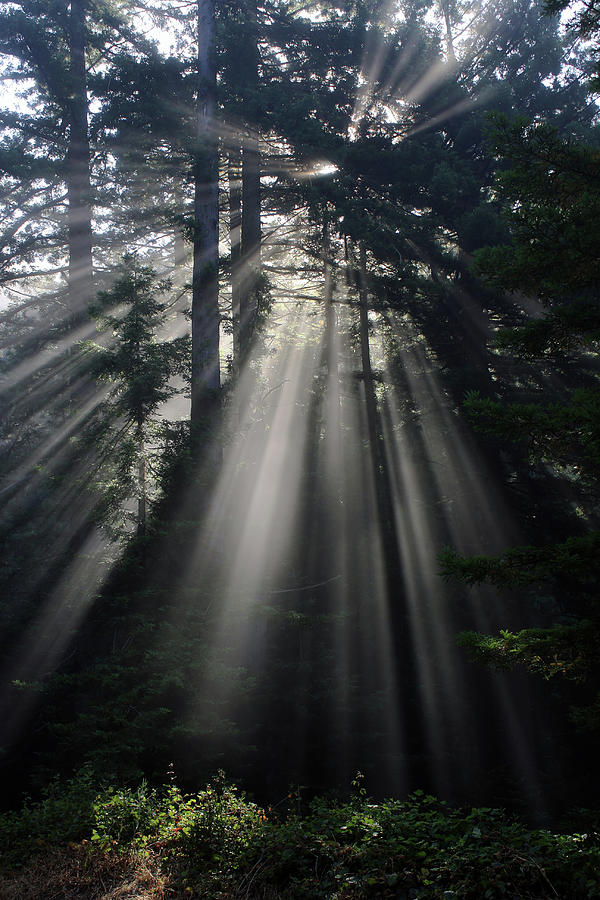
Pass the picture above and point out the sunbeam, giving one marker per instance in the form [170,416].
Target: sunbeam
[298,447]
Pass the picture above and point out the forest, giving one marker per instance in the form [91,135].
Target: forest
[299,449]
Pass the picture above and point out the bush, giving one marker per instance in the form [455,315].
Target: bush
[66,813]
[218,844]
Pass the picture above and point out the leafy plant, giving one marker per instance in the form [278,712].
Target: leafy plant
[217,844]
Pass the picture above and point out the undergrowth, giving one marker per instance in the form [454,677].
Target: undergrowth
[84,842]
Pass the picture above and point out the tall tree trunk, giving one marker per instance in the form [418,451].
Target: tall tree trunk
[383,487]
[206,375]
[449,40]
[141,450]
[251,237]
[78,167]
[330,317]
[235,232]
[251,230]
[406,668]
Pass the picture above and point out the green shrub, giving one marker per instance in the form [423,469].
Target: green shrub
[64,814]
[218,844]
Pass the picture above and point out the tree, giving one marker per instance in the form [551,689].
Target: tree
[206,375]
[365,93]
[142,370]
[552,186]
[584,23]
[78,162]
[251,225]
[54,47]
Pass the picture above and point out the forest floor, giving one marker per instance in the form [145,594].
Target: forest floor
[82,842]
[74,874]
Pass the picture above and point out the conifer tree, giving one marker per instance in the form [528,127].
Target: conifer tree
[206,376]
[53,44]
[552,186]
[78,162]
[141,369]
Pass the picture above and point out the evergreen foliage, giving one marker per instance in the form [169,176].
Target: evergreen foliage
[551,185]
[141,368]
[360,181]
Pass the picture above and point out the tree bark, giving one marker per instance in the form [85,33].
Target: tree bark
[405,665]
[141,449]
[449,40]
[251,237]
[381,476]
[235,232]
[251,228]
[78,166]
[330,317]
[206,375]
